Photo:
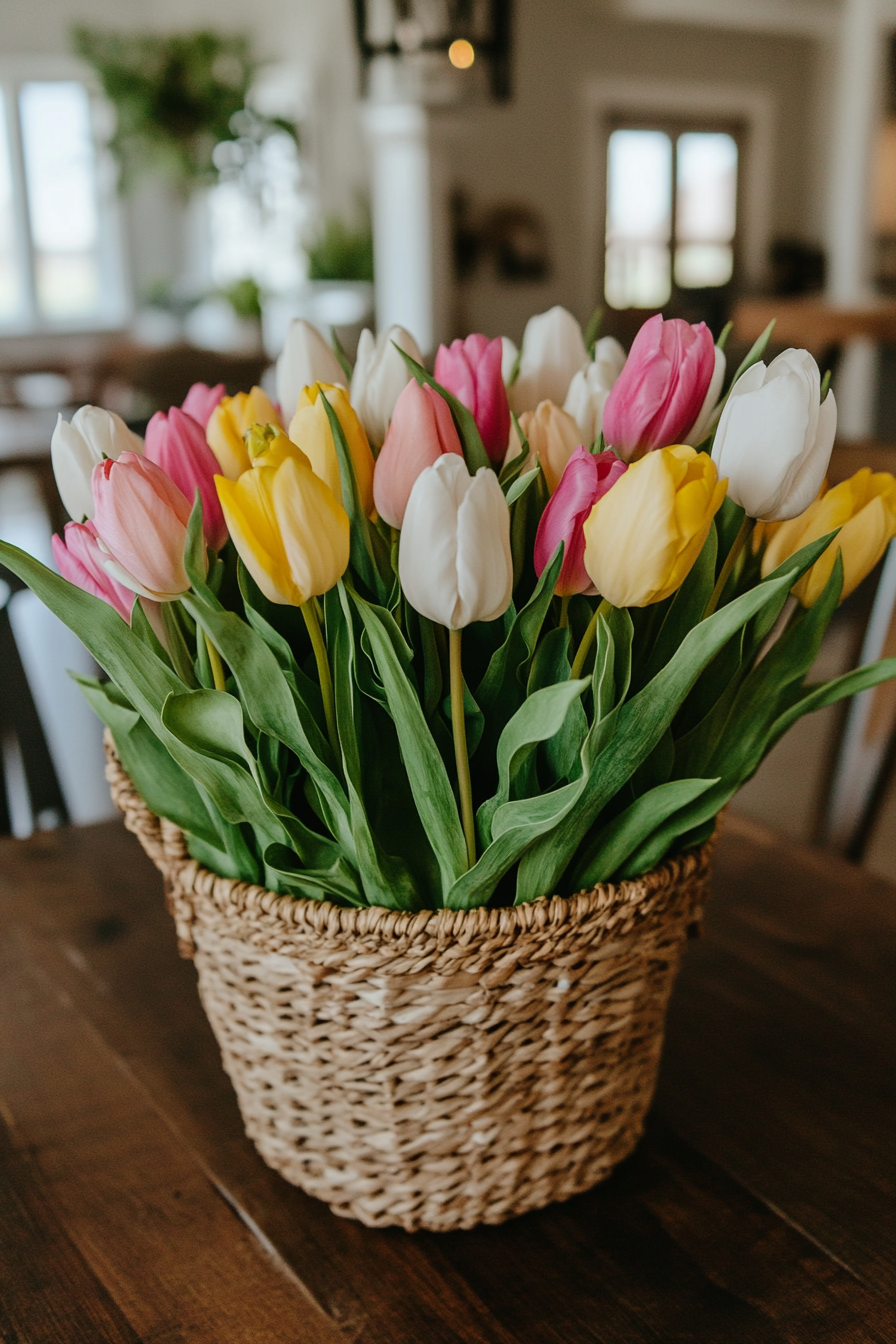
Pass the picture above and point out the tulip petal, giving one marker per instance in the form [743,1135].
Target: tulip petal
[484,560]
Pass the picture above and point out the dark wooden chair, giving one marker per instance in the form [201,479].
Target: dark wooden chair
[21,729]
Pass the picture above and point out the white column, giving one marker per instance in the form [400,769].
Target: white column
[409,183]
[855,114]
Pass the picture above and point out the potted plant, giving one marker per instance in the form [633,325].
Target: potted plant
[430,748]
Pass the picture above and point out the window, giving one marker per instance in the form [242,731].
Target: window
[59,253]
[671,213]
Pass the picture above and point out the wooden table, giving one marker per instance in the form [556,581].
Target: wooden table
[815,323]
[761,1206]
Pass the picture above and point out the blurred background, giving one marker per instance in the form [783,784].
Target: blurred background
[179,180]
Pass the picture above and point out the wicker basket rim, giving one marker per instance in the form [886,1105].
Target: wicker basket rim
[235,897]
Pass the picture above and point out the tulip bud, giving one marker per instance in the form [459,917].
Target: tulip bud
[775,437]
[553,438]
[305,359]
[76,449]
[80,560]
[642,539]
[586,479]
[310,429]
[454,559]
[141,521]
[661,392]
[471,370]
[509,356]
[288,527]
[201,400]
[422,429]
[591,386]
[176,443]
[553,351]
[229,422]
[863,508]
[702,425]
[379,377]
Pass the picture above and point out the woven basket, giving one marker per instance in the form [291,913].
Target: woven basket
[437,1069]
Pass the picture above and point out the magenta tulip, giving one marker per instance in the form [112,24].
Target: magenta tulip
[421,431]
[201,400]
[660,392]
[176,443]
[79,559]
[141,520]
[586,479]
[471,369]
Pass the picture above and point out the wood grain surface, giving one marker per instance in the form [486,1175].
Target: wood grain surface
[759,1207]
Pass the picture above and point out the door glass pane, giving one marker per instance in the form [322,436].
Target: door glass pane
[639,219]
[57,146]
[10,279]
[706,206]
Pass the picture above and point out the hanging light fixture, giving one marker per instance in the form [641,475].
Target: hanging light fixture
[434,51]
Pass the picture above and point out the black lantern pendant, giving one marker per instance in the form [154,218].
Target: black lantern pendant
[435,51]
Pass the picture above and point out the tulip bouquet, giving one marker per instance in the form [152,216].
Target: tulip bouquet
[513,628]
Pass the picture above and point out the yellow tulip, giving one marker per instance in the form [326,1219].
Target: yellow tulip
[643,536]
[291,532]
[864,508]
[310,429]
[230,420]
[553,437]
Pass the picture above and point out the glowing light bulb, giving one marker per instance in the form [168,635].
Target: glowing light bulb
[461,54]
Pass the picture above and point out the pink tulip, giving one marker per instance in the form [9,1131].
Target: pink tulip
[659,393]
[80,560]
[141,520]
[471,369]
[176,443]
[201,400]
[586,479]
[421,431]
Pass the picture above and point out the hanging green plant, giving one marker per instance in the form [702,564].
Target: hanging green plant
[175,96]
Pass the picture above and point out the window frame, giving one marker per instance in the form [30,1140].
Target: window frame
[675,125]
[116,300]
[604,98]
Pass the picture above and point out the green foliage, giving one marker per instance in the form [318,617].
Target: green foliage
[341,252]
[574,779]
[176,96]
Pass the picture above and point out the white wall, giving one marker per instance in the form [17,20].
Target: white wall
[531,149]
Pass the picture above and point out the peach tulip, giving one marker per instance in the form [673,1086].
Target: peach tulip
[422,429]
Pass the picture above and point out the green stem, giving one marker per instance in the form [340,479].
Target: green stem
[460,744]
[214,659]
[740,541]
[312,621]
[564,611]
[587,640]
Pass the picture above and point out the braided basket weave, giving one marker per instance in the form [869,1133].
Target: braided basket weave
[436,1069]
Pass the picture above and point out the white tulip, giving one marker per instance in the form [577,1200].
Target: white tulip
[454,559]
[703,424]
[775,437]
[552,352]
[76,448]
[509,356]
[379,378]
[591,386]
[305,359]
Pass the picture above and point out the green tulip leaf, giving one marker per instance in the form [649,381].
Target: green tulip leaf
[385,877]
[522,483]
[433,795]
[607,851]
[369,554]
[540,717]
[640,724]
[163,785]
